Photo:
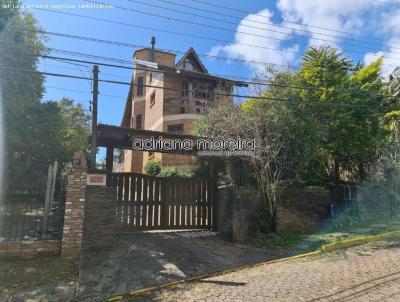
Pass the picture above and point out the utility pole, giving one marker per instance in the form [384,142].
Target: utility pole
[95,93]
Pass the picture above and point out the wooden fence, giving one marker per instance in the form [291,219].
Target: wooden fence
[145,202]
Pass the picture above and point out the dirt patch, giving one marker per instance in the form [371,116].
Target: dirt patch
[30,274]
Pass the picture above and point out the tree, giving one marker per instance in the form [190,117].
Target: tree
[314,124]
[22,91]
[346,104]
[75,127]
[54,131]
[267,123]
[36,132]
[7,12]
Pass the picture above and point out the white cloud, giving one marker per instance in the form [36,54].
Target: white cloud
[320,16]
[390,59]
[314,19]
[269,50]
[391,33]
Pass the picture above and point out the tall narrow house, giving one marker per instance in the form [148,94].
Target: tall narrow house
[168,96]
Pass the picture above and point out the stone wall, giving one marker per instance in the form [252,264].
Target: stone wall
[303,209]
[28,248]
[299,210]
[99,219]
[238,212]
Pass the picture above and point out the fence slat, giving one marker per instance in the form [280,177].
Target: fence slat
[150,207]
[165,203]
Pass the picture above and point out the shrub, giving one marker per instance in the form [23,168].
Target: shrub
[152,167]
[174,172]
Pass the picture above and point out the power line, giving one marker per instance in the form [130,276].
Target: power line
[85,92]
[160,30]
[180,33]
[124,44]
[253,27]
[267,83]
[279,19]
[211,57]
[270,84]
[181,90]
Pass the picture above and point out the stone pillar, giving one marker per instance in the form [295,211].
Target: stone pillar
[74,206]
[246,213]
[238,213]
[225,201]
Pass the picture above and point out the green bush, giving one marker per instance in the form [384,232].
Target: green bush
[152,167]
[174,172]
[345,220]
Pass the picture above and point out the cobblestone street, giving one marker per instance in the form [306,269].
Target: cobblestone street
[366,273]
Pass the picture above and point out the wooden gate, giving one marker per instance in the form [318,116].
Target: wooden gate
[145,202]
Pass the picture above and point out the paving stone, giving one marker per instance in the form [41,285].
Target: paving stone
[365,273]
[149,259]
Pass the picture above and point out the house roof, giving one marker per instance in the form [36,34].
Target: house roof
[200,75]
[192,53]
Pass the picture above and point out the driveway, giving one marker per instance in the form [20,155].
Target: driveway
[140,260]
[366,273]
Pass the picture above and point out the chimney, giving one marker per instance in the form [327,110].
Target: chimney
[153,42]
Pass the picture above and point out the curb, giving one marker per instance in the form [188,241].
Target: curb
[324,248]
[358,241]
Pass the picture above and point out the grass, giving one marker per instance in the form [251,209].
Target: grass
[331,233]
[277,242]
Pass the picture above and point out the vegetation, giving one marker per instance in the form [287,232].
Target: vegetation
[175,172]
[36,132]
[152,167]
[324,124]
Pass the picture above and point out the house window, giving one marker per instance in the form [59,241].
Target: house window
[140,86]
[188,65]
[138,121]
[177,129]
[152,99]
[185,89]
[183,110]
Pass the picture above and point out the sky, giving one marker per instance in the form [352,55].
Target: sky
[275,32]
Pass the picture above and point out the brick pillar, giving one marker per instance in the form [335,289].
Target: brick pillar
[74,206]
[99,227]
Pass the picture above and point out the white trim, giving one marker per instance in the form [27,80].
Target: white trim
[174,117]
[147,63]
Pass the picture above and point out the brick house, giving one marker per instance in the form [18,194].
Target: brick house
[188,91]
